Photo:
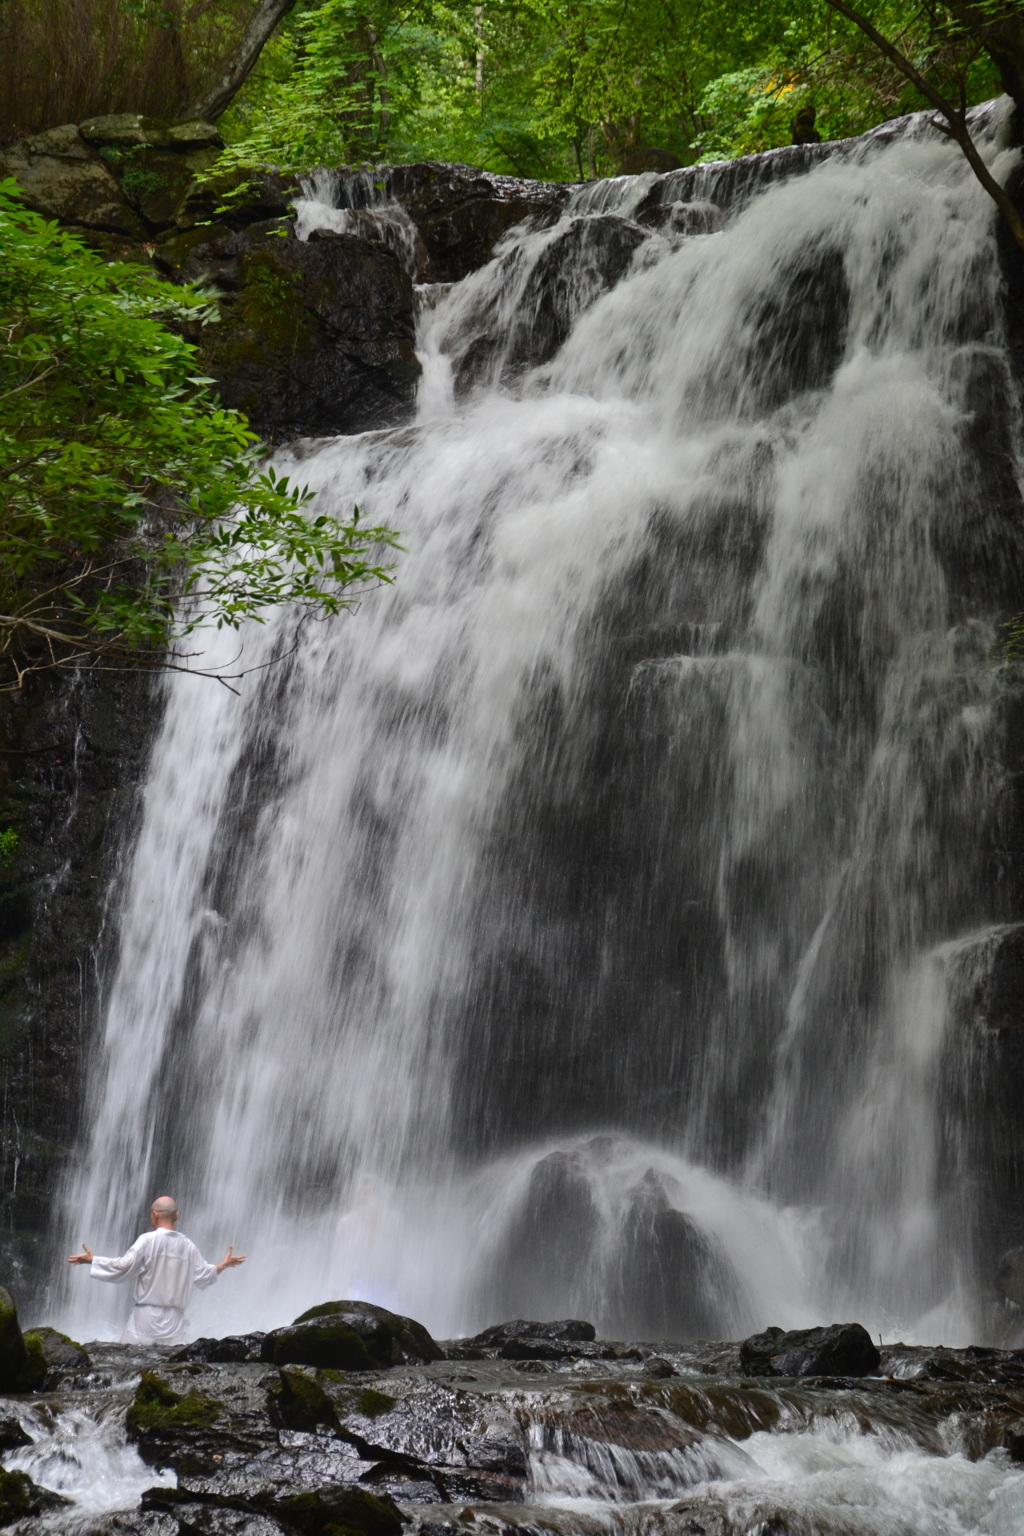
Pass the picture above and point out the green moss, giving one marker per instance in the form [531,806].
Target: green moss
[157,1408]
[372,1404]
[34,1373]
[16,1496]
[323,1344]
[301,1401]
[139,182]
[265,320]
[270,303]
[341,1512]
[325,1309]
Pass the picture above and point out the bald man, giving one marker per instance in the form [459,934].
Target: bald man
[166,1265]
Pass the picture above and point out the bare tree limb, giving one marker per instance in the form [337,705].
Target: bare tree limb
[956,120]
[212,105]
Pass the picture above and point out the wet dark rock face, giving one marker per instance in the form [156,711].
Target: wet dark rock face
[315,337]
[72,753]
[461,213]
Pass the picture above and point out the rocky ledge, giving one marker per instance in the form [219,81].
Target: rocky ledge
[316,335]
[251,1435]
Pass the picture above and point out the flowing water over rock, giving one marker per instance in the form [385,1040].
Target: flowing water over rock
[589,926]
[577,1446]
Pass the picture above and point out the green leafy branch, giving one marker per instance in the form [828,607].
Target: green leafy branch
[126,486]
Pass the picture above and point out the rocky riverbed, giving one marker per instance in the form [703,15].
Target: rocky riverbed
[527,1428]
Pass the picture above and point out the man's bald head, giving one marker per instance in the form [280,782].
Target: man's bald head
[164,1211]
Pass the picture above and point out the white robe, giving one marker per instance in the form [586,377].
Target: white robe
[166,1265]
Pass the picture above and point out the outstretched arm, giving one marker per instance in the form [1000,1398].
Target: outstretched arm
[231,1260]
[111,1269]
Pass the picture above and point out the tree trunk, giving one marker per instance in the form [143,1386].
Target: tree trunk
[216,100]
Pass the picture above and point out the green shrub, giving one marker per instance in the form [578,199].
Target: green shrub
[124,484]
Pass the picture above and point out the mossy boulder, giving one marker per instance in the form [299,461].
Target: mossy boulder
[387,1336]
[131,130]
[156,182]
[299,1401]
[63,178]
[840,1349]
[14,1353]
[22,1499]
[323,1342]
[339,1512]
[163,1423]
[58,1352]
[33,1377]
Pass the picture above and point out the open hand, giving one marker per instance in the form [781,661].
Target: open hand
[85,1257]
[231,1260]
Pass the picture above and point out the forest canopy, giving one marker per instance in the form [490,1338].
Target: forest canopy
[551,88]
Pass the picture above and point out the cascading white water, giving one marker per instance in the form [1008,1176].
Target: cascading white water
[566,931]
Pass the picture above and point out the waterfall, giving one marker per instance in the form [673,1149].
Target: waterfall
[580,926]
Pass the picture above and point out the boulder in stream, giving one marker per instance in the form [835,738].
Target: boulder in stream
[22,1366]
[12,1436]
[521,1339]
[461,213]
[350,1336]
[235,1349]
[572,1329]
[841,1349]
[60,1353]
[22,1499]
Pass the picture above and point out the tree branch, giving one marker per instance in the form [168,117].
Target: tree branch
[215,102]
[956,120]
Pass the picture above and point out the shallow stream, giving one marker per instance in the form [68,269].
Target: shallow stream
[672,1441]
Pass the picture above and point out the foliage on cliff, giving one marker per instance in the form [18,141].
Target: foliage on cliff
[125,484]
